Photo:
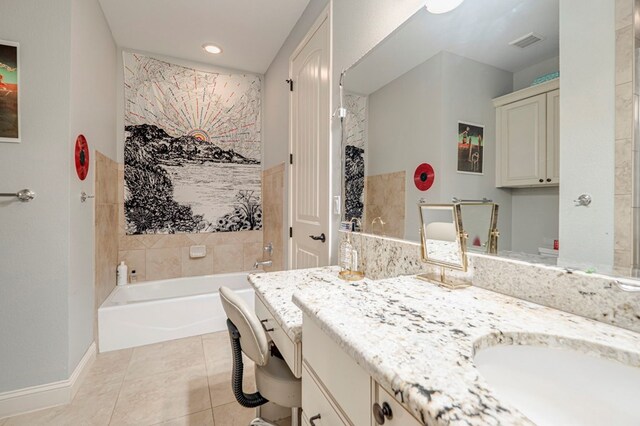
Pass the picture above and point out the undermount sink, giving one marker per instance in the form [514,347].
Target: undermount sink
[553,386]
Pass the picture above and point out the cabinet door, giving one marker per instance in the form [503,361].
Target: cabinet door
[523,132]
[553,137]
[316,406]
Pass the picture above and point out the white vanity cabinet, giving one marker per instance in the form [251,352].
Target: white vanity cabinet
[291,351]
[527,136]
[338,391]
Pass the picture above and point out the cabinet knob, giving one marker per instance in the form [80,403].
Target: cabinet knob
[541,180]
[382,413]
[313,419]
[548,180]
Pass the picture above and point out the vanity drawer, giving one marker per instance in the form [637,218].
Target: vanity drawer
[291,352]
[344,380]
[399,414]
[316,402]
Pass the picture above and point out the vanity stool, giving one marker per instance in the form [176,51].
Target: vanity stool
[274,380]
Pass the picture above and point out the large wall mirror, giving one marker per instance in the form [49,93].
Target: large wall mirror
[460,105]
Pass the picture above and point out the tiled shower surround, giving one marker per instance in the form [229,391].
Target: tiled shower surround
[273,213]
[106,227]
[164,256]
[385,199]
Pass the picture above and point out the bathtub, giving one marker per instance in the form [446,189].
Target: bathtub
[157,311]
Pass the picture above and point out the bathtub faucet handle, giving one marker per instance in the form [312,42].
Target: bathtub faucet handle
[269,249]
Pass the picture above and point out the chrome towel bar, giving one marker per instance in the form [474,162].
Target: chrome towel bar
[23,195]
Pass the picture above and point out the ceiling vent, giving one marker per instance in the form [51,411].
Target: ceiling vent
[526,40]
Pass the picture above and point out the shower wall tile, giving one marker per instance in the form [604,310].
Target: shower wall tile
[106,229]
[228,258]
[251,253]
[273,216]
[163,263]
[196,267]
[164,256]
[625,132]
[136,260]
[385,199]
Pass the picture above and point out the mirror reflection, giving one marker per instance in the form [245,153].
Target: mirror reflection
[442,237]
[480,226]
[440,110]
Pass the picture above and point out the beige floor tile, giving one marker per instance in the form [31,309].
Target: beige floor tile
[109,367]
[217,352]
[92,405]
[203,418]
[233,415]
[220,387]
[162,397]
[164,357]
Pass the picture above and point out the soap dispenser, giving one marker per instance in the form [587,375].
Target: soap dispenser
[121,274]
[346,254]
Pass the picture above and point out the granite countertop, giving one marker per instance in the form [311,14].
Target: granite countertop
[277,288]
[418,340]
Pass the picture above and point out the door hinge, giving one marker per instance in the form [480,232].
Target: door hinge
[290,232]
[290,158]
[290,81]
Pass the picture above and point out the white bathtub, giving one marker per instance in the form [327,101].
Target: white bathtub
[156,311]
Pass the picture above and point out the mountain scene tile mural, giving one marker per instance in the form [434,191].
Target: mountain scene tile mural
[355,125]
[192,149]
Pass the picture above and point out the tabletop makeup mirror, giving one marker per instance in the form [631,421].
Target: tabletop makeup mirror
[480,226]
[442,235]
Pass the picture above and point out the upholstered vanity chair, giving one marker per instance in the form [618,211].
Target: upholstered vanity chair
[274,380]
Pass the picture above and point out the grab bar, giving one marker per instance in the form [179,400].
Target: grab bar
[24,195]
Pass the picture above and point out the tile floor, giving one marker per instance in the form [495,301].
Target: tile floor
[177,383]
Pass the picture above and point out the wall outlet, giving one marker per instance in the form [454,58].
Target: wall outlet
[197,252]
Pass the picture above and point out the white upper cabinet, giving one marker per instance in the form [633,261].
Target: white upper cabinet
[527,133]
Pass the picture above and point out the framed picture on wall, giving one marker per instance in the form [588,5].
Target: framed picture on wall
[470,148]
[9,92]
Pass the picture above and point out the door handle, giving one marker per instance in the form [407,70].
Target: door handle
[313,419]
[320,237]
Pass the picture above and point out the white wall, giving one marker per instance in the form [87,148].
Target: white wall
[525,77]
[468,90]
[404,130]
[535,219]
[587,72]
[414,119]
[34,236]
[92,113]
[46,248]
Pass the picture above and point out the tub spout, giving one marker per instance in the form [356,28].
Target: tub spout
[262,263]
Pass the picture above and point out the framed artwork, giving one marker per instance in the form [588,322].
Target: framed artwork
[9,92]
[470,148]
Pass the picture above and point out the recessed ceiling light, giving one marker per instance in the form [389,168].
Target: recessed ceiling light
[211,48]
[442,6]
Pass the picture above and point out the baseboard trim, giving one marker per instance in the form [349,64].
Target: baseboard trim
[49,395]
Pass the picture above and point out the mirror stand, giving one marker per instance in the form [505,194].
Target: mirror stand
[452,283]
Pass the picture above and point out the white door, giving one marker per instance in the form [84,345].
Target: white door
[523,141]
[309,143]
